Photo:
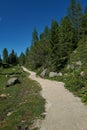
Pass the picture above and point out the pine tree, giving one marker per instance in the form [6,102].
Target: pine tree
[85,12]
[22,59]
[83,26]
[13,59]
[78,17]
[67,39]
[45,36]
[27,56]
[55,47]
[34,36]
[0,61]
[5,55]
[72,12]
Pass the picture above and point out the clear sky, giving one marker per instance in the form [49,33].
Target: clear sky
[19,17]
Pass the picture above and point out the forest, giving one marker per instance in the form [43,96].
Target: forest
[52,48]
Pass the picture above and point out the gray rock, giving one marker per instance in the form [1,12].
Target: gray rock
[68,67]
[75,51]
[82,73]
[60,74]
[43,73]
[53,74]
[65,74]
[3,96]
[72,66]
[12,81]
[78,63]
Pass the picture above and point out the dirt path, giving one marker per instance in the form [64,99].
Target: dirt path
[63,110]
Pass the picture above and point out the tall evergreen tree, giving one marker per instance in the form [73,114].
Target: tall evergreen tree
[22,59]
[67,39]
[34,36]
[78,17]
[5,55]
[27,56]
[27,51]
[72,12]
[55,46]
[45,42]
[85,12]
[0,60]
[13,58]
[46,34]
[83,26]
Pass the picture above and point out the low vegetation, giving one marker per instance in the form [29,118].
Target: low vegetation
[20,104]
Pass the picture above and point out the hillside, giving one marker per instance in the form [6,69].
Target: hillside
[80,54]
[75,73]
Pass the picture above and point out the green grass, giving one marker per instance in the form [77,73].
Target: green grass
[23,101]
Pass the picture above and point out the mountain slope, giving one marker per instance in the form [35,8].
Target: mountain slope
[75,76]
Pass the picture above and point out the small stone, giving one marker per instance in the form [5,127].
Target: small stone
[3,95]
[78,63]
[9,113]
[75,51]
[43,73]
[60,74]
[68,67]
[82,73]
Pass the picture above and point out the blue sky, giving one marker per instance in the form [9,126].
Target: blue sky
[19,17]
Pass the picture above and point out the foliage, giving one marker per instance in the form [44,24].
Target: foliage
[0,61]
[34,36]
[83,26]
[5,55]
[85,12]
[55,46]
[72,12]
[13,58]
[75,15]
[22,59]
[67,39]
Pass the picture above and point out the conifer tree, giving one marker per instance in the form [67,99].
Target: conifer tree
[85,12]
[67,39]
[0,60]
[13,59]
[55,46]
[83,26]
[22,59]
[5,55]
[72,12]
[34,36]
[78,18]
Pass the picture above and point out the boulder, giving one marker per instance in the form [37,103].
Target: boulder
[12,81]
[60,74]
[43,73]
[53,74]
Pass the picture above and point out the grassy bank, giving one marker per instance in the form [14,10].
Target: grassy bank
[22,103]
[72,78]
